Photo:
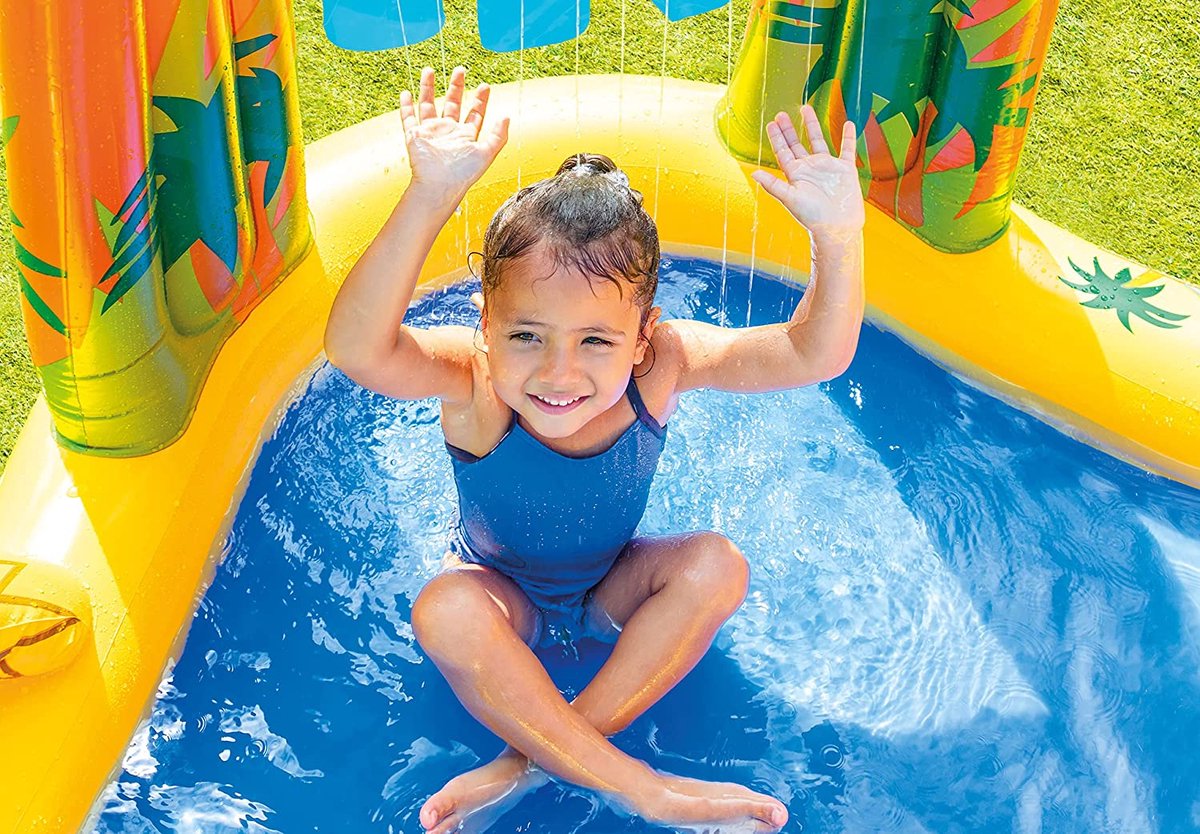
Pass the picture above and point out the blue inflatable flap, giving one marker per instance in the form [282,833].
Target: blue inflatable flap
[504,25]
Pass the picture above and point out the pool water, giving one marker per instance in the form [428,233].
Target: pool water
[959,620]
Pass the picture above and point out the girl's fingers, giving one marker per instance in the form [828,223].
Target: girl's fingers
[849,142]
[425,106]
[774,186]
[497,137]
[408,114]
[779,144]
[454,93]
[789,133]
[816,139]
[478,108]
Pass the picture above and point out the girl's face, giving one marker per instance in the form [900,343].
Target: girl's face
[561,346]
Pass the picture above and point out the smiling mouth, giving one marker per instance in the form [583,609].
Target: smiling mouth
[556,405]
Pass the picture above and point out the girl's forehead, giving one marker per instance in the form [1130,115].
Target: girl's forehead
[562,298]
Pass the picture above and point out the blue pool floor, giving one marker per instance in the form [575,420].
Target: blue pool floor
[960,620]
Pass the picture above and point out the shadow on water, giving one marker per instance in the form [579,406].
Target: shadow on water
[1083,567]
[302,702]
[1061,550]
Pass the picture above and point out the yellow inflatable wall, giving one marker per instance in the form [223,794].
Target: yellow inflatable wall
[103,558]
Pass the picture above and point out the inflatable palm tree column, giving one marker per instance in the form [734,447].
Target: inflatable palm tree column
[155,169]
[942,93]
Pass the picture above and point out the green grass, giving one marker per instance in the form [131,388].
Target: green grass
[1113,153]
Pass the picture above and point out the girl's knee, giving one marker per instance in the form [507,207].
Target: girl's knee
[463,610]
[450,606]
[718,571]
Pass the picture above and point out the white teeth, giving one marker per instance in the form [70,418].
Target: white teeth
[557,402]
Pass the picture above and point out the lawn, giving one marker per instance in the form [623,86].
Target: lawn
[1113,153]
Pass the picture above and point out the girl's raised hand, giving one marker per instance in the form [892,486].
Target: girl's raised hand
[449,152]
[821,190]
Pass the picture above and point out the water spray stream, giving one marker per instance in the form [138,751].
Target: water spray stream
[862,39]
[442,41]
[414,79]
[762,100]
[725,219]
[578,35]
[520,86]
[662,94]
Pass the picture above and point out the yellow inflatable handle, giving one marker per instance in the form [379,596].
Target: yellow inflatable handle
[45,617]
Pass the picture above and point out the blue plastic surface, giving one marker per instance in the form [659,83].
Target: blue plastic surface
[368,25]
[679,9]
[546,22]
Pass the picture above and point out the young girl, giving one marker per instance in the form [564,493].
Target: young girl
[554,415]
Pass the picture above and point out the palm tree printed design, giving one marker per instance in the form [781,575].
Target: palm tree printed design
[186,193]
[26,258]
[1113,294]
[137,240]
[942,110]
[262,114]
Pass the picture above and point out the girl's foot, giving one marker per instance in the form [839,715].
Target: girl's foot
[479,797]
[713,807]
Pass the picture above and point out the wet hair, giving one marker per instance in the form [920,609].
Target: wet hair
[590,221]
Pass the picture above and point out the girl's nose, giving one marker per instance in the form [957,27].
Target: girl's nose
[561,367]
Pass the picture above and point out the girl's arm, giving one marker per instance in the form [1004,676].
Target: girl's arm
[818,342]
[365,336]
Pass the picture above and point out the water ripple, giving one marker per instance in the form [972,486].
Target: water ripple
[958,620]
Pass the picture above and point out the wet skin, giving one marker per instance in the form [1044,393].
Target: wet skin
[553,336]
[560,348]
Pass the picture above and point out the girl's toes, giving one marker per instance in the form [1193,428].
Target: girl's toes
[435,810]
[449,823]
[774,814]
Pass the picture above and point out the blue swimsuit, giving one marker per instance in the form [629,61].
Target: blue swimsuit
[555,524]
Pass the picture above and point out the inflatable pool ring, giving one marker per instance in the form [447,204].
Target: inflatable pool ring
[179,249]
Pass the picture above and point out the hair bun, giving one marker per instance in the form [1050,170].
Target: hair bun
[588,163]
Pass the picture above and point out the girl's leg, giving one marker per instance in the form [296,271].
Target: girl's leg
[473,624]
[668,596]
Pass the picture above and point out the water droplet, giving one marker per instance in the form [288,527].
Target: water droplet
[832,756]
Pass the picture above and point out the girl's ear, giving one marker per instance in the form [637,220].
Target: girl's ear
[477,300]
[647,332]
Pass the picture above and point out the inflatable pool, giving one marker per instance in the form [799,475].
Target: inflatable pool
[180,248]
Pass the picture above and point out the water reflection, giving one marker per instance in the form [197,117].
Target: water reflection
[959,620]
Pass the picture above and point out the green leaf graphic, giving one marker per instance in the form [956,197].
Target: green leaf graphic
[1111,293]
[41,307]
[7,128]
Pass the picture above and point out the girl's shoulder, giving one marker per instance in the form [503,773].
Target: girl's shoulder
[477,423]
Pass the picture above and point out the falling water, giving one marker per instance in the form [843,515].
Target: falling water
[862,39]
[578,33]
[442,40]
[623,37]
[662,94]
[621,86]
[762,101]
[725,220]
[520,87]
[412,73]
